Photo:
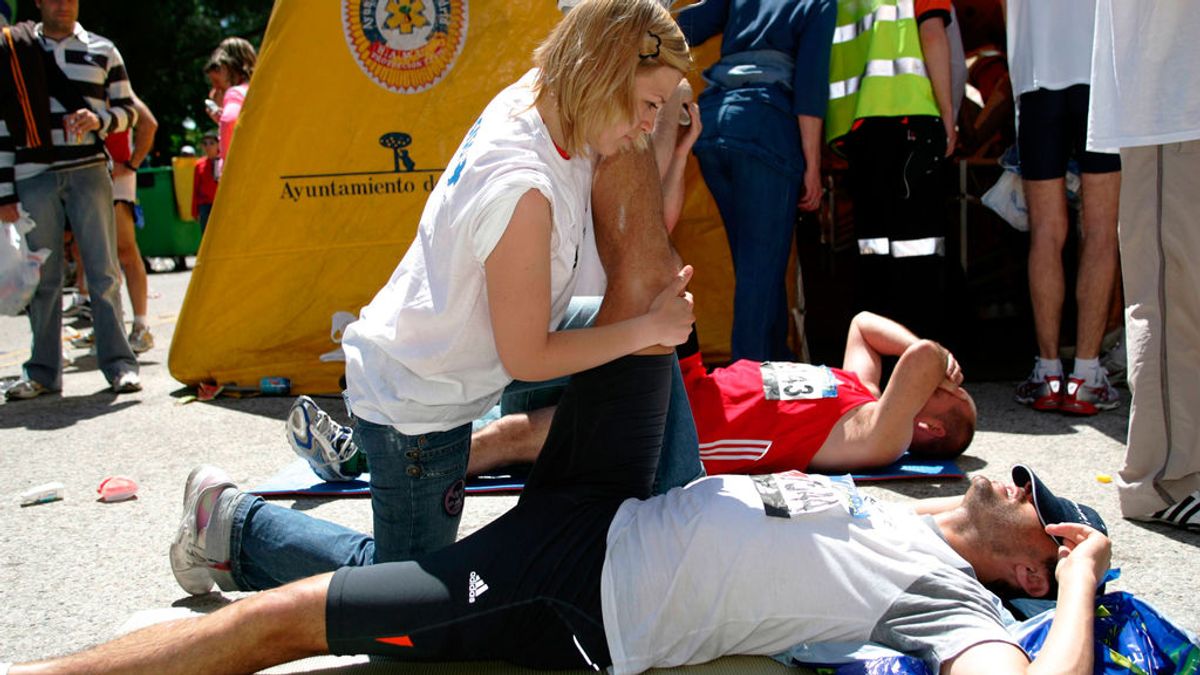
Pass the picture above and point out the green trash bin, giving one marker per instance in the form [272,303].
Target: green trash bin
[162,234]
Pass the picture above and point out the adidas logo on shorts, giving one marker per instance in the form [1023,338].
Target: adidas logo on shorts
[475,587]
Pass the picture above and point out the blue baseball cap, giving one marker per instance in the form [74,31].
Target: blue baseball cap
[1052,509]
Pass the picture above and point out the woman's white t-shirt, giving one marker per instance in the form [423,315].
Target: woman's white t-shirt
[422,356]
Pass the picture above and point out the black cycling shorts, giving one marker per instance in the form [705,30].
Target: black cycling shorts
[525,588]
[1052,129]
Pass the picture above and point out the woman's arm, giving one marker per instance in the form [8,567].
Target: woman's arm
[231,108]
[672,178]
[518,288]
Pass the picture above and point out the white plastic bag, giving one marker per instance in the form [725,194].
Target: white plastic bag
[20,268]
[1007,198]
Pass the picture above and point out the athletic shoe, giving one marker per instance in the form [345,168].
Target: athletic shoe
[1184,513]
[1115,363]
[77,305]
[140,339]
[321,441]
[190,560]
[25,389]
[1082,399]
[1044,394]
[127,383]
[85,341]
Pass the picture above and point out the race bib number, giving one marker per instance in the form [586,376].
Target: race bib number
[795,493]
[796,381]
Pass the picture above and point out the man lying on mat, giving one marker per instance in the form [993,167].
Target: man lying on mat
[751,417]
[589,571]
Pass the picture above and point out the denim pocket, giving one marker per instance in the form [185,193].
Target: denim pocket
[438,455]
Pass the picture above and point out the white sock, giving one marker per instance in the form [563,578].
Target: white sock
[1046,367]
[1087,370]
[139,320]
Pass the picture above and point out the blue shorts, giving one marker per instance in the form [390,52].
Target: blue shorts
[1053,129]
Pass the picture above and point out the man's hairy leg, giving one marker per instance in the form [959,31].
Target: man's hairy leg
[512,439]
[267,629]
[1047,234]
[1097,260]
[630,236]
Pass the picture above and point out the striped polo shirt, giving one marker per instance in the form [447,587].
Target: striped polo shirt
[95,66]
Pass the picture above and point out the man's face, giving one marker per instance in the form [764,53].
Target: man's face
[210,147]
[59,15]
[1006,515]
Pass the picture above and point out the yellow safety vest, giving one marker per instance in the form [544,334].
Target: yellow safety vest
[876,67]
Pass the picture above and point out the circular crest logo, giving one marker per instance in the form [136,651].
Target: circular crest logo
[406,46]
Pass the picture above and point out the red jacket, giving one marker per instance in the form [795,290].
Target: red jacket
[204,184]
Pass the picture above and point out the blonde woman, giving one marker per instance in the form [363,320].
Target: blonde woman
[473,304]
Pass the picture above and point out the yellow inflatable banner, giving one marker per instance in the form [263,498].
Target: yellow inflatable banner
[354,110]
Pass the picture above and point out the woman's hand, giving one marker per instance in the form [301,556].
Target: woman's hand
[683,145]
[670,314]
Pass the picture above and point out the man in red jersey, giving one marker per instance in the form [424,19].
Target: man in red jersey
[764,417]
[757,417]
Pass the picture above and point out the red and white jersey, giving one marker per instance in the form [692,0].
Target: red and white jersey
[768,417]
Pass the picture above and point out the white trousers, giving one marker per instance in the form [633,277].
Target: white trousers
[1160,262]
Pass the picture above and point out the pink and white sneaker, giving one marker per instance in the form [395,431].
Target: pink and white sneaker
[192,559]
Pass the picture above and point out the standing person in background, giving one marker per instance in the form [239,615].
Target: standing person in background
[760,148]
[1154,118]
[229,70]
[126,157]
[87,96]
[124,175]
[1050,65]
[891,115]
[204,180]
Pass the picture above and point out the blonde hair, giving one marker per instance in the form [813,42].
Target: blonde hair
[588,63]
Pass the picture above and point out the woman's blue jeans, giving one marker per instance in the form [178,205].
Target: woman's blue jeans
[417,490]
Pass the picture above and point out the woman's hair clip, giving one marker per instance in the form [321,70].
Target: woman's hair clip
[657,47]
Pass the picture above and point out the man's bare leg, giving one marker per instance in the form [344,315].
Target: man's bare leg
[638,258]
[1097,260]
[630,236]
[512,439]
[1047,202]
[267,629]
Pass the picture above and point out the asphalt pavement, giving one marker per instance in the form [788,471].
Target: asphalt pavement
[72,572]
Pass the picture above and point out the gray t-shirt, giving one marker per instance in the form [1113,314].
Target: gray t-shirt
[704,571]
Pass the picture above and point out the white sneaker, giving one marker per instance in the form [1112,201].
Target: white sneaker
[190,561]
[127,383]
[1116,363]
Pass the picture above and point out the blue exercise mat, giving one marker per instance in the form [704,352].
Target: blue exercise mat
[298,480]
